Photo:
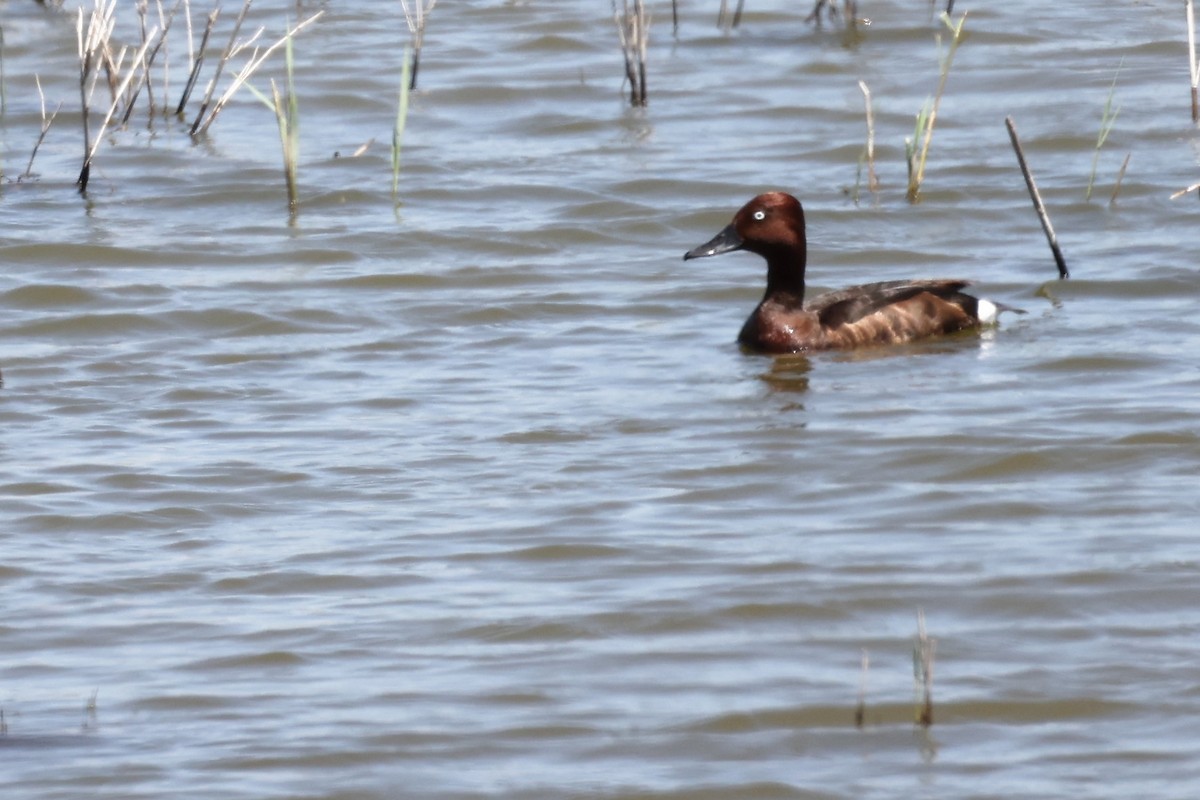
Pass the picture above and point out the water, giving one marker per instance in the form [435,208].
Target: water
[478,498]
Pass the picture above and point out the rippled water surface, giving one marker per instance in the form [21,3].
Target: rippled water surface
[476,497]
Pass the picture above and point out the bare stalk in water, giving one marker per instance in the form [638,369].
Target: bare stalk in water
[928,116]
[46,123]
[860,711]
[1193,65]
[196,56]
[869,151]
[726,22]
[249,68]
[923,651]
[633,28]
[416,17]
[232,47]
[1037,200]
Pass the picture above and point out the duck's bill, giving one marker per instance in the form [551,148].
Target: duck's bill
[724,242]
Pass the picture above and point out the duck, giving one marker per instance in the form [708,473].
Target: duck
[890,312]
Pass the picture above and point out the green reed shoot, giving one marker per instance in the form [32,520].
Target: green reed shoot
[923,650]
[398,127]
[927,118]
[287,116]
[1107,120]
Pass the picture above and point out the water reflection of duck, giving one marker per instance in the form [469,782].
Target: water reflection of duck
[891,312]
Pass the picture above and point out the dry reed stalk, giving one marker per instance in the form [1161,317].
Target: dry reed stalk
[928,116]
[147,61]
[1193,65]
[849,12]
[860,710]
[633,29]
[3,97]
[869,153]
[90,39]
[415,18]
[1036,196]
[674,19]
[1182,192]
[257,59]
[724,20]
[923,652]
[232,47]
[46,123]
[196,56]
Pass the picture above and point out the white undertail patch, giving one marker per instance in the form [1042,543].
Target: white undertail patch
[987,311]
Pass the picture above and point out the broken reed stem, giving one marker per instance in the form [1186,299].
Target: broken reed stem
[90,38]
[1193,65]
[1037,200]
[633,30]
[1182,192]
[398,127]
[147,62]
[416,18]
[249,68]
[230,48]
[1107,120]
[872,179]
[926,120]
[674,20]
[197,58]
[46,123]
[923,652]
[860,710]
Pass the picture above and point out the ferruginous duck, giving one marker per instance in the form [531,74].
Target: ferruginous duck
[890,312]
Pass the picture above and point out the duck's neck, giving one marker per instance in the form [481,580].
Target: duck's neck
[785,277]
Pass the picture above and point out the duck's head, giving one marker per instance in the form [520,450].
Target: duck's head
[770,225]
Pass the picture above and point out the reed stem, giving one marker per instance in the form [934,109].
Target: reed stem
[1193,65]
[860,710]
[633,30]
[248,69]
[398,127]
[869,153]
[196,57]
[231,47]
[1036,196]
[1107,120]
[928,116]
[923,651]
[416,17]
[1112,201]
[46,123]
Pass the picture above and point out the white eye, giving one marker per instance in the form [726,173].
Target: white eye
[760,215]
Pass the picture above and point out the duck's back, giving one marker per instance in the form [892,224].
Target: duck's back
[891,312]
